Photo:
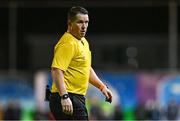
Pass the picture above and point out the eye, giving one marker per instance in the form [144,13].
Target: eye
[86,22]
[80,21]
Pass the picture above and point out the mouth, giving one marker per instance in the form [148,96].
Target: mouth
[83,31]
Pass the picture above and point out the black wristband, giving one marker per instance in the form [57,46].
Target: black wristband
[65,96]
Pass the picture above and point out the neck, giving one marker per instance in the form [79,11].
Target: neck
[74,35]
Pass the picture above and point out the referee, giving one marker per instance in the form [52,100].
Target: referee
[72,71]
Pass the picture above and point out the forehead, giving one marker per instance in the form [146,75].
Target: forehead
[83,17]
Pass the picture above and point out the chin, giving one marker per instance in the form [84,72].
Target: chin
[83,35]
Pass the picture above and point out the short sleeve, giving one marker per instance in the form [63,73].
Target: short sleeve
[63,55]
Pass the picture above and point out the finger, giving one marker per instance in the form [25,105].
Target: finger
[107,95]
[71,110]
[110,99]
[66,110]
[110,95]
[63,108]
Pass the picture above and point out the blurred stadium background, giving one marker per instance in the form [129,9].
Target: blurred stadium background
[135,48]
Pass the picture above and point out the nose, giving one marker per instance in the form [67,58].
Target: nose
[83,27]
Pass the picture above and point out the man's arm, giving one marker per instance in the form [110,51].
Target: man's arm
[94,80]
[58,79]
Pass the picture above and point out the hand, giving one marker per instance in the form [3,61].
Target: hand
[107,93]
[67,106]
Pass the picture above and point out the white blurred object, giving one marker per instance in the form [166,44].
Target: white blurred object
[40,81]
[176,88]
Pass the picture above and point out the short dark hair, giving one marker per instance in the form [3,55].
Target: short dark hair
[74,11]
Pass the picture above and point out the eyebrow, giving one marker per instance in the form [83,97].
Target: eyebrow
[83,21]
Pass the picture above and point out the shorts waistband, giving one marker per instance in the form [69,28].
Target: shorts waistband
[73,94]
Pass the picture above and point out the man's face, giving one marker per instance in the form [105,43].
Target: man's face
[78,27]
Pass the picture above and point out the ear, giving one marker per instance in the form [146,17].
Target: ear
[69,23]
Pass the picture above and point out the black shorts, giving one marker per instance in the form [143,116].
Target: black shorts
[79,108]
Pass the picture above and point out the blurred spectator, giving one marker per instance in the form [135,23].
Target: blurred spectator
[1,112]
[96,113]
[153,110]
[118,115]
[172,110]
[40,115]
[140,112]
[13,111]
[156,113]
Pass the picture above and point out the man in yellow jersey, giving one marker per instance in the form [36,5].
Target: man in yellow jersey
[72,71]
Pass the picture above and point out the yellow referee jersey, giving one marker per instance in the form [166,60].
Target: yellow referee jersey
[74,58]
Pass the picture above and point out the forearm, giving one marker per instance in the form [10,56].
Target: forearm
[58,79]
[94,80]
